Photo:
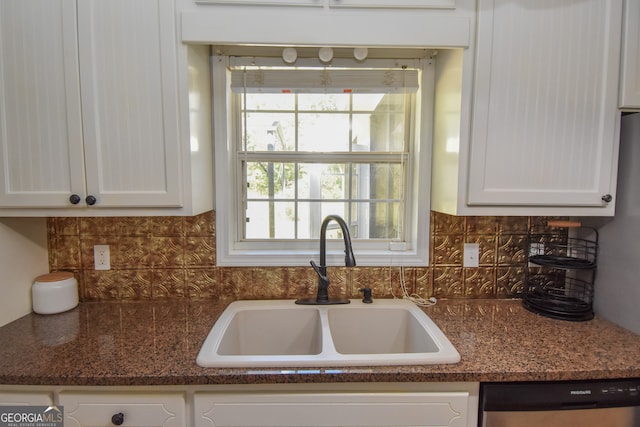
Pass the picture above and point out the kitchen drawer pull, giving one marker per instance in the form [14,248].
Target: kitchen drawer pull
[117,419]
[91,200]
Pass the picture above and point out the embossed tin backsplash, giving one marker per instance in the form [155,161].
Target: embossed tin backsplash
[174,257]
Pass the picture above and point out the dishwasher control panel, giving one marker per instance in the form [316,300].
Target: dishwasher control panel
[559,395]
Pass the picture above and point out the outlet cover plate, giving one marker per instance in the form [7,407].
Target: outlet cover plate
[102,257]
[471,255]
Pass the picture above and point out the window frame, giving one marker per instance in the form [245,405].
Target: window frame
[232,251]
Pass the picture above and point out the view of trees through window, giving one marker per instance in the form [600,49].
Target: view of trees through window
[303,156]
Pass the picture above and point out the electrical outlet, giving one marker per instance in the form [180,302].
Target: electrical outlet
[102,257]
[471,256]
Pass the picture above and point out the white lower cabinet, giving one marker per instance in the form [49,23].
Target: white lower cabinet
[122,408]
[333,409]
[435,404]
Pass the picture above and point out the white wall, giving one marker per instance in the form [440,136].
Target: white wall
[617,286]
[23,256]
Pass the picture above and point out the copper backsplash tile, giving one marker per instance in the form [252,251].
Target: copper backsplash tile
[174,257]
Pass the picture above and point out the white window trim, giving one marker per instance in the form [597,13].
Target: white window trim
[230,252]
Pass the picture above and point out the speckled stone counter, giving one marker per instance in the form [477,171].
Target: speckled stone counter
[152,343]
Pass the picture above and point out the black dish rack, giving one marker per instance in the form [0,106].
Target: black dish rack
[561,268]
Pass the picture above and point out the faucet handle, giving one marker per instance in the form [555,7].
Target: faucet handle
[323,277]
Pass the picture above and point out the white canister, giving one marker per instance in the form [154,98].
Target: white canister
[54,293]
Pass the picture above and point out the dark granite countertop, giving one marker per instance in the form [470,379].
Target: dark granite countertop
[156,343]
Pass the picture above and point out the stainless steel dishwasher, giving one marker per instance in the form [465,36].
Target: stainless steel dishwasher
[606,403]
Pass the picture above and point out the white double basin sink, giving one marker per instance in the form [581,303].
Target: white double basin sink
[279,333]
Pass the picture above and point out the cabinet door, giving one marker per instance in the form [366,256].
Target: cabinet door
[545,122]
[127,409]
[41,159]
[630,64]
[128,75]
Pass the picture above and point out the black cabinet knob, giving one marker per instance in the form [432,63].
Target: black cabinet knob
[607,198]
[117,419]
[91,200]
[74,199]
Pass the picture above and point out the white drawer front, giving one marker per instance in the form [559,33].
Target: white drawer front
[335,409]
[139,409]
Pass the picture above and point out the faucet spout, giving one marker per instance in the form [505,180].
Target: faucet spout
[349,259]
[321,270]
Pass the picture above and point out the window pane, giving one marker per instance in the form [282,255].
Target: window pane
[288,199]
[270,131]
[378,133]
[269,101]
[270,180]
[377,220]
[309,220]
[381,103]
[367,101]
[385,181]
[333,182]
[270,220]
[322,181]
[311,215]
[388,132]
[323,132]
[373,207]
[323,102]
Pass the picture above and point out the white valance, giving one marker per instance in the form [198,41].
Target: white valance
[324,80]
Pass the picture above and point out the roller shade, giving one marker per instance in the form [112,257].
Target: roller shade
[324,81]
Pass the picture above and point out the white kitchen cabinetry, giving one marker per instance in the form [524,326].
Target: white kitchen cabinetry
[347,23]
[630,63]
[335,409]
[128,409]
[283,405]
[40,120]
[533,129]
[128,81]
[96,108]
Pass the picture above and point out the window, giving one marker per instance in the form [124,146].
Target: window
[294,144]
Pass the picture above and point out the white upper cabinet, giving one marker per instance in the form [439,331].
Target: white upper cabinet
[540,135]
[95,111]
[630,63]
[338,23]
[41,153]
[128,79]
